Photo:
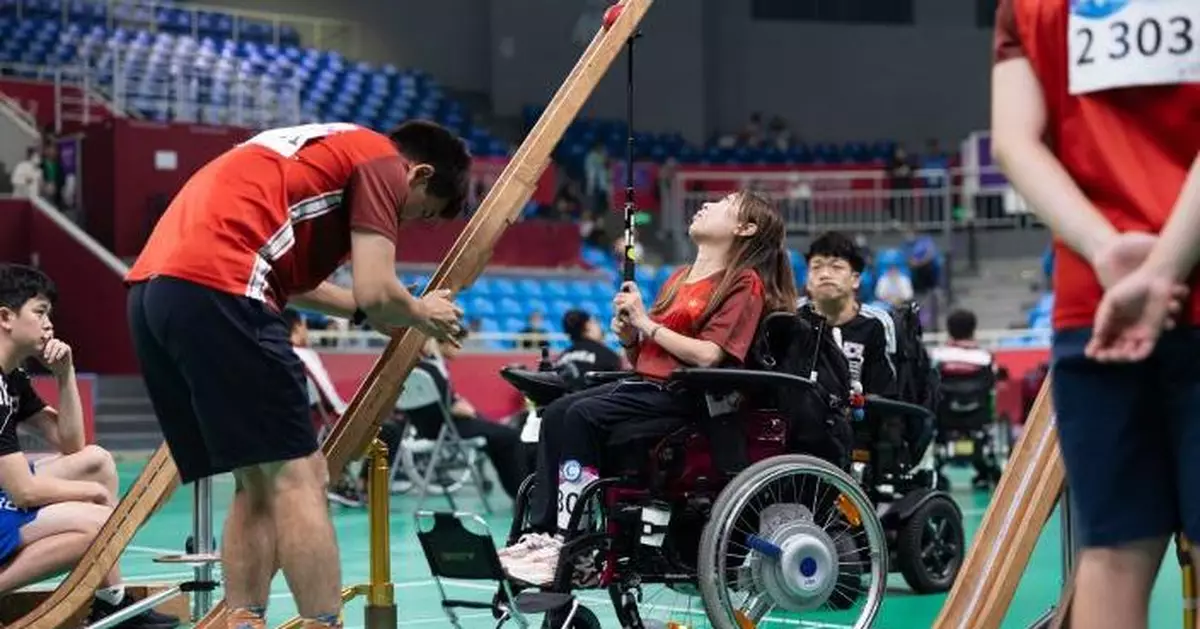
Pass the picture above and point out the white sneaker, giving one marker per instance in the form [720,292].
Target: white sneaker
[536,567]
[527,544]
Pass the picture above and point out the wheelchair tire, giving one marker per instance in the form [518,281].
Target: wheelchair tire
[740,491]
[939,523]
[584,619]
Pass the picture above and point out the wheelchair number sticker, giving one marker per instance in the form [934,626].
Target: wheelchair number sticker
[1125,43]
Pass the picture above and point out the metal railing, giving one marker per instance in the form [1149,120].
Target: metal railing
[859,200]
[360,340]
[313,32]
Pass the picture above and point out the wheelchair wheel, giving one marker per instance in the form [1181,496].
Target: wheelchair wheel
[931,546]
[584,619]
[792,536]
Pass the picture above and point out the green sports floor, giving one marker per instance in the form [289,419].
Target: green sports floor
[417,595]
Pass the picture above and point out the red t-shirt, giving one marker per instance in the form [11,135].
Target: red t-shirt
[271,217]
[731,326]
[1130,148]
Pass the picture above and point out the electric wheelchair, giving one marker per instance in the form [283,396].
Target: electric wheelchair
[723,508]
[970,432]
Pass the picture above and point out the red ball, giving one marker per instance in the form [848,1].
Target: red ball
[611,15]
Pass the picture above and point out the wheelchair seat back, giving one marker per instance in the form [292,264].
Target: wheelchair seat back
[966,404]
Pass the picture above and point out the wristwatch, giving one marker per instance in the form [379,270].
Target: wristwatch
[360,317]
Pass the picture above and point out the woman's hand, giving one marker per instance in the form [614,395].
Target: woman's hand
[629,306]
[626,333]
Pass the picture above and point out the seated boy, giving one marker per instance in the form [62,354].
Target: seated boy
[51,509]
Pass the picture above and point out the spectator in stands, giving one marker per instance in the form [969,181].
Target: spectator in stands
[534,336]
[597,178]
[503,442]
[53,177]
[50,509]
[900,177]
[894,287]
[922,254]
[587,351]
[27,175]
[962,356]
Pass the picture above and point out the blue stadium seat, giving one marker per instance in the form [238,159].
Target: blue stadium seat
[510,307]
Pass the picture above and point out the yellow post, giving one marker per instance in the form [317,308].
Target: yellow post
[381,602]
[1188,573]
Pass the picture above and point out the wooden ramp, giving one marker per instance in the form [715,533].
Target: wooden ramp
[1020,507]
[376,397]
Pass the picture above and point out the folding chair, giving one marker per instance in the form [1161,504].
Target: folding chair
[455,552]
[449,449]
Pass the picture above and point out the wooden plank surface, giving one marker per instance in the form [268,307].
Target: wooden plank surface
[1021,505]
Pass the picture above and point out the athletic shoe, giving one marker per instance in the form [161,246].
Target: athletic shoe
[537,566]
[527,544]
[148,619]
[244,619]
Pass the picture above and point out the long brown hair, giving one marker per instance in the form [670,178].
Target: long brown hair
[764,252]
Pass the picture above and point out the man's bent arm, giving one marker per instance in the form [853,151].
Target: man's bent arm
[376,289]
[1018,124]
[1178,247]
[27,490]
[328,298]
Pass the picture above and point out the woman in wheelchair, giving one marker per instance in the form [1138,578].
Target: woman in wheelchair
[706,315]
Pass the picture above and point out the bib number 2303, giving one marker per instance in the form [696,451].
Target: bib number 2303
[1126,43]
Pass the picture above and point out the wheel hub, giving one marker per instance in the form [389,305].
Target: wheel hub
[806,572]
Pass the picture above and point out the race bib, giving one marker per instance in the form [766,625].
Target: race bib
[573,478]
[288,140]
[1127,43]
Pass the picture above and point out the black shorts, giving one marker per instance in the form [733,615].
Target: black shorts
[1130,438]
[228,390]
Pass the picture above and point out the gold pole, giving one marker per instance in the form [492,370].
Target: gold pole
[1188,573]
[381,602]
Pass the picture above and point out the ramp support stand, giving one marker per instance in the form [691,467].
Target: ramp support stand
[379,591]
[202,536]
[1055,616]
[381,602]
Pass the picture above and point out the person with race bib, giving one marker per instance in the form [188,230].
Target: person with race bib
[706,315]
[257,229]
[1096,123]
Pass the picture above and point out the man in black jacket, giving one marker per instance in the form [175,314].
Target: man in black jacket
[866,333]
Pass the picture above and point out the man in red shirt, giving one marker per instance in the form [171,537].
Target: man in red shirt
[258,228]
[1094,114]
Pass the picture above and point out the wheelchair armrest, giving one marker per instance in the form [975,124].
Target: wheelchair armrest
[886,405]
[593,378]
[703,377]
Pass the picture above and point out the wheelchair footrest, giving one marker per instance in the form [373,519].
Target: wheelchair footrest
[542,602]
[465,604]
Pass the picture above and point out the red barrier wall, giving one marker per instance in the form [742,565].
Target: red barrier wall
[90,314]
[530,244]
[14,230]
[47,388]
[477,376]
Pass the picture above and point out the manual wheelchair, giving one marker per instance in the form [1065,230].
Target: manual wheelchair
[721,507]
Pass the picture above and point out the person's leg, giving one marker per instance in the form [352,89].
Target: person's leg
[305,541]
[249,393]
[503,448]
[1115,444]
[92,463]
[1181,374]
[52,543]
[542,507]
